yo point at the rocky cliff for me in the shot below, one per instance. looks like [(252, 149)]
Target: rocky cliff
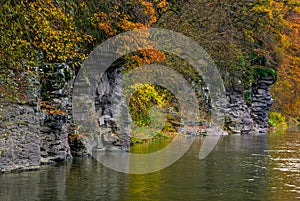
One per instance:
[(34, 133), (56, 121), (20, 125), (248, 110)]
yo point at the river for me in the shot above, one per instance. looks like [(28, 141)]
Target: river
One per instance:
[(249, 167)]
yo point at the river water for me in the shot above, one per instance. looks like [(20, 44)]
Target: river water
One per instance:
[(250, 167)]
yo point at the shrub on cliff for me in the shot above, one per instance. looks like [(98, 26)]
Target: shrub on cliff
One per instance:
[(277, 120)]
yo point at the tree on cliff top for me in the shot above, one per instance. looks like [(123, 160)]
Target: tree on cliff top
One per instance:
[(239, 35), (287, 88), (243, 35), (46, 31)]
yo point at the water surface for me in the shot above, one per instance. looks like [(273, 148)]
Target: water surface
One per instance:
[(259, 167)]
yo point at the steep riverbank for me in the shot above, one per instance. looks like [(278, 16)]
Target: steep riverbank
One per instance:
[(37, 132)]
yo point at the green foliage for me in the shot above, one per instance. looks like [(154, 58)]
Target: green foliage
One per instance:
[(46, 31), (144, 99), (277, 120), (245, 68), (134, 141), (245, 39), (239, 36), (265, 72), (155, 136), (32, 33), (247, 98), (150, 111)]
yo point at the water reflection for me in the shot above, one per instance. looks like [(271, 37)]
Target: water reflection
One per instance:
[(284, 150), (224, 175), (240, 168), (89, 180), (49, 183)]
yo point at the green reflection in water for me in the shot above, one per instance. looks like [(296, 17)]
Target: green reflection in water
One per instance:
[(151, 146), (241, 168)]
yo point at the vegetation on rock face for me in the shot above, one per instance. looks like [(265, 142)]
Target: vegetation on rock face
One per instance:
[(262, 72), (38, 32), (286, 89), (242, 36), (239, 35), (35, 33), (276, 120)]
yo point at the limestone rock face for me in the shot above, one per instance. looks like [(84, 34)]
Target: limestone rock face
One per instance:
[(56, 127), (261, 103), (100, 112), (31, 136), (20, 129), (239, 120), (19, 138), (113, 116), (251, 117), (54, 133)]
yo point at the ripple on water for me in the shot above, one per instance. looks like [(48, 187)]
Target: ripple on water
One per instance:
[(285, 165)]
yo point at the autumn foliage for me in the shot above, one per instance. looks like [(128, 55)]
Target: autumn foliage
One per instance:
[(287, 88), (45, 31), (239, 35), (245, 35)]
